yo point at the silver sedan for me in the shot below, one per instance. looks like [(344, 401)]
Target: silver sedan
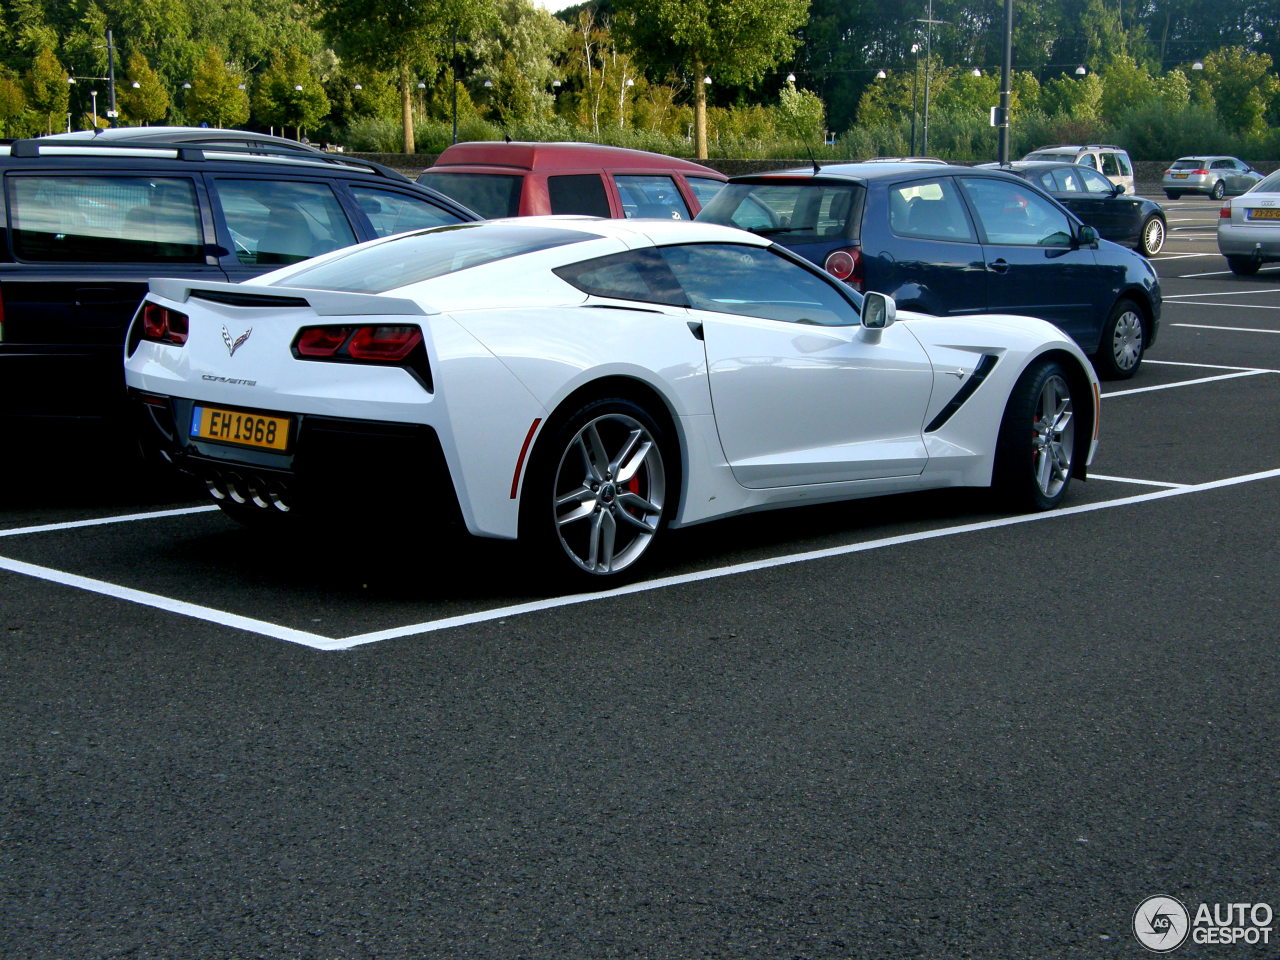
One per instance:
[(1249, 227), (1214, 176)]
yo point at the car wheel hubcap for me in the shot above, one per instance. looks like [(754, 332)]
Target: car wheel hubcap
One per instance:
[(1155, 236), (1126, 345), (608, 494), (1053, 435)]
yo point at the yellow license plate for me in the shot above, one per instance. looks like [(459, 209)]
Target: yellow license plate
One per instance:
[(237, 426), (1180, 176), (1272, 213)]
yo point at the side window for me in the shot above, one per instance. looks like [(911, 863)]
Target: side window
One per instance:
[(1096, 182), (1069, 181), (274, 222), (106, 219), (1088, 160), (930, 210), (635, 275), (651, 196), (1125, 168), (704, 188), (1044, 179), (756, 282), (1110, 165), (1221, 165), (1012, 215), (578, 193), (391, 212)]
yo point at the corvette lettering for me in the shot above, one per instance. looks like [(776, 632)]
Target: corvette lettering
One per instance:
[(238, 383)]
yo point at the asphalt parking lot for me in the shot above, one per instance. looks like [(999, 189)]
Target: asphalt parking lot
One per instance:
[(903, 728)]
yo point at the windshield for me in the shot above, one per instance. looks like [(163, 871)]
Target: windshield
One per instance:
[(789, 211), (1067, 155), (492, 195), (415, 257)]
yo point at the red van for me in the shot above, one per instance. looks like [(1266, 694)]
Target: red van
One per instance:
[(498, 179)]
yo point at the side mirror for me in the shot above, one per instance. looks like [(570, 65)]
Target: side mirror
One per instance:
[(1086, 235), (878, 311), (1117, 189)]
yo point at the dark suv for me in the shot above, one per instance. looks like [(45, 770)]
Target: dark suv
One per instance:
[(950, 240), (86, 224)]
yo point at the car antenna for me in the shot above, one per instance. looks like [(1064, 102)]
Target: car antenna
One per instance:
[(506, 137), (814, 160)]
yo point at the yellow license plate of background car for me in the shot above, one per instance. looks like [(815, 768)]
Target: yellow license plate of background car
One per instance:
[(237, 426), (1269, 214)]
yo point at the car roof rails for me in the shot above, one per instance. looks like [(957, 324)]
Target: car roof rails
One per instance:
[(34, 147)]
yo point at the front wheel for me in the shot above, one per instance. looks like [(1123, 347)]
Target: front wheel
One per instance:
[(1036, 450), (596, 493), (1219, 190), (1123, 342), (1152, 238), (1243, 266)]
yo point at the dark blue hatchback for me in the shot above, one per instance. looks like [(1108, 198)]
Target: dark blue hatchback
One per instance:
[(951, 241)]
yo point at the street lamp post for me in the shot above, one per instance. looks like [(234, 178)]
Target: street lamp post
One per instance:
[(1006, 80), (915, 80), (928, 62), (94, 95)]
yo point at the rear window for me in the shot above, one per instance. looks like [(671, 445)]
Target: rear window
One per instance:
[(1187, 164), (415, 257), (1268, 184), (796, 212), (492, 195), (79, 219), (1067, 155)]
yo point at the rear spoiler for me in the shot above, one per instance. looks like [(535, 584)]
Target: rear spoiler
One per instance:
[(326, 303)]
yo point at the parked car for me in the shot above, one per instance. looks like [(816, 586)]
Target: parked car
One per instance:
[(952, 241), (1109, 160), (89, 222), (581, 385), (1130, 221), (528, 179), (1249, 227), (1215, 177)]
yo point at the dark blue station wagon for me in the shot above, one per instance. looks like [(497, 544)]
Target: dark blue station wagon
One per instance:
[(951, 241)]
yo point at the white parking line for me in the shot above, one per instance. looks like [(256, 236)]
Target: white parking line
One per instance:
[(1182, 256), (1219, 273), (1142, 483), (1185, 383), (317, 642), (1210, 326), (100, 521), (1206, 366), (1235, 306), (1232, 293)]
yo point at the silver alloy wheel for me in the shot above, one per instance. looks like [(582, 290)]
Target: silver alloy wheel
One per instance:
[(1153, 236), (1053, 436), (1126, 341), (608, 493), (1219, 190)]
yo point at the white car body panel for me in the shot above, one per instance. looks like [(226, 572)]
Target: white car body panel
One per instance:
[(509, 344)]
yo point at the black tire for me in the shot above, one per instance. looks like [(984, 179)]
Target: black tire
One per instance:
[(1244, 266), (596, 493), (1036, 449), (1172, 194), (1123, 341), (1151, 237), (1219, 190)]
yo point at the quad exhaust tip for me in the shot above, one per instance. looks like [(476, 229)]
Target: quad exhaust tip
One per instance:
[(247, 490)]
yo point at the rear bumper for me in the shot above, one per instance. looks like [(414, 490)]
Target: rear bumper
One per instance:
[(1190, 185), (1244, 240), (346, 469)]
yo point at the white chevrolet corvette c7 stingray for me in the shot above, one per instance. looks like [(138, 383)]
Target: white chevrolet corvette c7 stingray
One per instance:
[(583, 384)]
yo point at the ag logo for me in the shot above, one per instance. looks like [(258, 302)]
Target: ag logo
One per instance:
[(1161, 924)]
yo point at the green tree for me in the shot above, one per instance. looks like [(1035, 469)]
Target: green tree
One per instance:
[(289, 94), (1243, 86), (1125, 82), (803, 115), (143, 98), (46, 88), (218, 94), (411, 38), (736, 40), (12, 101)]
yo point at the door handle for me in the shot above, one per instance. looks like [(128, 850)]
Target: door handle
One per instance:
[(999, 266)]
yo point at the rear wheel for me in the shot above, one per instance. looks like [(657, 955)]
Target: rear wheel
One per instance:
[(1036, 451), (1172, 194), (1219, 190), (596, 494), (1243, 266), (1123, 342), (1152, 238)]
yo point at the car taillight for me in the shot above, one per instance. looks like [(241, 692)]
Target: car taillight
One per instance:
[(845, 264), (1225, 212), (368, 344), (164, 325), (1199, 173)]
